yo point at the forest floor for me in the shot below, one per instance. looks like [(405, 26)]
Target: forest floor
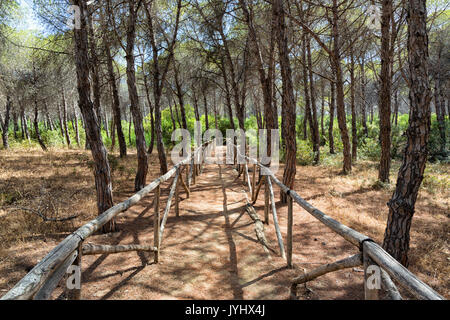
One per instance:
[(210, 251)]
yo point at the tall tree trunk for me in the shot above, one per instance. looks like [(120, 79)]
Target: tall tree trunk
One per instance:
[(332, 107), (439, 102), (115, 95), (5, 123), (322, 109), (341, 116), (60, 118), (113, 134), (152, 121), (105, 115), (396, 105), (205, 105), (180, 95), (401, 206), (36, 125), (47, 116), (174, 126), (314, 123), (288, 97), (64, 112), (102, 172), (15, 124), (385, 93), (141, 174), (215, 111), (77, 132), (308, 118), (94, 66), (363, 98), (353, 107)]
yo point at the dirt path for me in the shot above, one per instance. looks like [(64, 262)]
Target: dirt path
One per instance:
[(211, 251)]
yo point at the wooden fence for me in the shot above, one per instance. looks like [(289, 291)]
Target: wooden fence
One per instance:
[(41, 281), (372, 256)]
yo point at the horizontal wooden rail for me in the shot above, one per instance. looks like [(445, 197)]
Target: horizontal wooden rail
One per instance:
[(89, 248), (57, 258)]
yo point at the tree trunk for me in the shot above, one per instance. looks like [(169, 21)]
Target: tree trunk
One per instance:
[(314, 123), (15, 124), (439, 102), (152, 122), (174, 125), (396, 105), (94, 65), (322, 110), (105, 115), (353, 107), (113, 134), (64, 112), (115, 95), (341, 116), (288, 98), (307, 119), (385, 93), (332, 107), (363, 98), (205, 105), (5, 123), (180, 95), (60, 118), (102, 172), (141, 174), (402, 203), (36, 125), (77, 132)]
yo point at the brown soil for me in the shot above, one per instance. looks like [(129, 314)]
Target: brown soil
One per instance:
[(211, 250)]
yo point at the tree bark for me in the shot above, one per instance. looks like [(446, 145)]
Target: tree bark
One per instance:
[(77, 132), (288, 98), (5, 123), (102, 172), (363, 98), (115, 95), (36, 125), (341, 116), (353, 107), (142, 169), (64, 114), (410, 176), (332, 107), (314, 123), (385, 93)]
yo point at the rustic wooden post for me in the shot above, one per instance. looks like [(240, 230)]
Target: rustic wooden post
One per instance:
[(185, 187), (177, 195), (275, 220), (289, 232), (266, 201), (156, 224), (372, 277)]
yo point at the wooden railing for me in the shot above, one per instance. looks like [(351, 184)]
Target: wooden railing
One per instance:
[(41, 281), (370, 253)]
